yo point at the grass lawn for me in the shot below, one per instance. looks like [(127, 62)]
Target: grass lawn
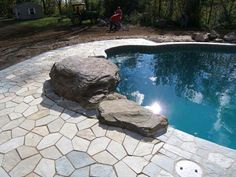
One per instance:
[(46, 22)]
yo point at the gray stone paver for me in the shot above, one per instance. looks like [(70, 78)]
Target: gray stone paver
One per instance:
[(82, 172), (44, 135), (102, 170), (80, 159), (64, 167), (45, 168)]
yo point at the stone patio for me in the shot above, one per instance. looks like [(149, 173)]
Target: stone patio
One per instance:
[(40, 138)]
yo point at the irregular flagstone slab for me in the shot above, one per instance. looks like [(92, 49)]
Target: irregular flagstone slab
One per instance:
[(49, 140), (115, 134), (105, 158), (56, 125), (152, 170), (5, 136), (135, 163), (16, 132), (28, 124), (51, 153), (86, 134), (116, 150), (32, 139), (80, 159), (99, 130), (69, 130), (221, 160), (3, 173), (64, 167), (80, 144), (43, 131), (143, 149), (26, 151), (64, 145), (85, 80), (10, 160), (164, 162), (4, 120), (11, 144), (25, 166), (102, 170), (123, 170), (45, 168), (127, 114), (82, 172), (98, 145), (13, 124), (87, 123)]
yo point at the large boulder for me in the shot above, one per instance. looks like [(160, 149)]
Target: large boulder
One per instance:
[(84, 80), (129, 115), (230, 37)]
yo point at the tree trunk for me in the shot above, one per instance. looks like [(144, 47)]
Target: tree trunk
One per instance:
[(159, 9), (209, 18), (59, 6), (171, 8), (44, 7), (193, 12)]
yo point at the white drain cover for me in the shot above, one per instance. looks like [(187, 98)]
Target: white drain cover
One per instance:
[(186, 168)]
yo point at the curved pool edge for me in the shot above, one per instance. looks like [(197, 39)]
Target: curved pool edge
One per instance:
[(215, 160)]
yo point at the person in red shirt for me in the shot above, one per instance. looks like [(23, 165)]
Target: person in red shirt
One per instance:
[(115, 20), (119, 11)]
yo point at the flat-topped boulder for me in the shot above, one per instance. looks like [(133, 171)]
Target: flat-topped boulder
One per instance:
[(129, 115), (84, 80), (230, 37)]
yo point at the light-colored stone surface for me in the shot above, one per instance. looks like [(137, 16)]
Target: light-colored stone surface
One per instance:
[(80, 144), (64, 167), (42, 131), (98, 145), (102, 170), (69, 130), (82, 172), (116, 150), (135, 163), (79, 159), (11, 144), (26, 151), (64, 145), (123, 170), (10, 160), (49, 140), (51, 153), (25, 166), (105, 158), (32, 139), (45, 168), (41, 137)]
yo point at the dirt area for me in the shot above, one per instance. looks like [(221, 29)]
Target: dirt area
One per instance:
[(17, 45)]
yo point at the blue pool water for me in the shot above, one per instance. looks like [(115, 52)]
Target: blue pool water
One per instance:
[(195, 87)]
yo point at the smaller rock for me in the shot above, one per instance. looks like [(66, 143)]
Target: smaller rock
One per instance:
[(127, 114), (219, 40), (230, 37), (201, 37), (213, 35)]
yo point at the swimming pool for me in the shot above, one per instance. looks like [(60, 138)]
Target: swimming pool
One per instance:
[(193, 85)]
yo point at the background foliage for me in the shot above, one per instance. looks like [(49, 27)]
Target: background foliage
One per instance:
[(200, 13)]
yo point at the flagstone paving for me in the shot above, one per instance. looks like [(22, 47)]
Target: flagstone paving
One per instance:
[(44, 135)]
